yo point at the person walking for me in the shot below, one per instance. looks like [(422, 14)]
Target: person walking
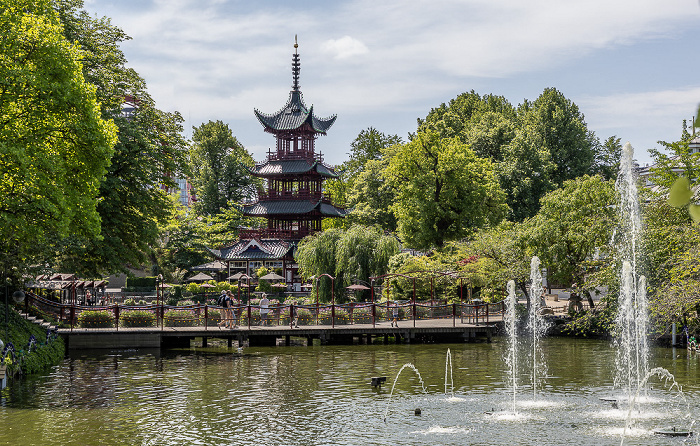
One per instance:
[(294, 314), (264, 309), (395, 315), (231, 301)]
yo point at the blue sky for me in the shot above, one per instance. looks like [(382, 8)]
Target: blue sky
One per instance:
[(631, 66)]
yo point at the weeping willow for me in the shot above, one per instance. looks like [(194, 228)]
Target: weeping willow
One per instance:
[(357, 253)]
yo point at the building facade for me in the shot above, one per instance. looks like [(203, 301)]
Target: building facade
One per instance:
[(293, 200)]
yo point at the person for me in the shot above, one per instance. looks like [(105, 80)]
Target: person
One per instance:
[(264, 309), (88, 297), (295, 314), (395, 314)]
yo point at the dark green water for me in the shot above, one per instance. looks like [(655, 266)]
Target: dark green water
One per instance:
[(322, 396)]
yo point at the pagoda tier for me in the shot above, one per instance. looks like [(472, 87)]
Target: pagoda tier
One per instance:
[(293, 203)]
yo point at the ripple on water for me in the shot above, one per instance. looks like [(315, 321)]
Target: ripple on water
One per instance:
[(443, 430)]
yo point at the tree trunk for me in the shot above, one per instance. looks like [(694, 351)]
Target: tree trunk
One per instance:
[(590, 300)]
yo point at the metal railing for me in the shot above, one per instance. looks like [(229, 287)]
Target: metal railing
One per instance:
[(117, 315)]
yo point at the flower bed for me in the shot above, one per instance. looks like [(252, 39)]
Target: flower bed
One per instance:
[(95, 319), (180, 318), (137, 318)]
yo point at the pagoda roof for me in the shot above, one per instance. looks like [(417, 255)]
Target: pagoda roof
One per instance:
[(294, 115), (254, 249), (292, 167), (293, 207)]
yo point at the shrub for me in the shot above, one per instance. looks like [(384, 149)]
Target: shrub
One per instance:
[(185, 303), (137, 318), (95, 319), (214, 316), (180, 318), (130, 302)]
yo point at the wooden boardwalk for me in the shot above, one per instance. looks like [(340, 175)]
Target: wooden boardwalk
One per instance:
[(427, 330)]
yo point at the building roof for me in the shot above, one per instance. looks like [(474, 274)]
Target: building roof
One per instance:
[(292, 167), (294, 115), (287, 207), (254, 249)]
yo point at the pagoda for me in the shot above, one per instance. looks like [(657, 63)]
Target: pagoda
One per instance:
[(292, 200)]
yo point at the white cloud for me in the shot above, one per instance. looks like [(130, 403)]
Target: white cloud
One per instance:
[(344, 48)]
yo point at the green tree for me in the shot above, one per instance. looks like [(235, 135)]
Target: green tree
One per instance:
[(557, 125), (219, 166), (358, 253), (150, 152), (55, 145), (367, 146), (371, 197), (607, 161), (573, 227), (444, 191)]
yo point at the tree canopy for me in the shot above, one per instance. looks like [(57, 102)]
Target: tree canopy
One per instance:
[(55, 144), (150, 152), (444, 191), (219, 167)]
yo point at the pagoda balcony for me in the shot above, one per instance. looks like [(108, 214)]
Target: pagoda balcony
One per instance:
[(273, 195), (288, 234), (308, 155)]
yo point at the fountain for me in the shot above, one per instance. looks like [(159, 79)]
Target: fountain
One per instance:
[(632, 318), (510, 319), (420, 379), (448, 361), (536, 324)]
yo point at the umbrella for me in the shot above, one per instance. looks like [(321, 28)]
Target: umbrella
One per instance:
[(207, 285), (200, 276), (165, 285), (216, 265), (272, 276), (357, 287), (307, 285), (279, 285), (235, 276)]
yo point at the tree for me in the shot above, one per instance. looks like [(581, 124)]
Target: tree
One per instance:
[(556, 124), (367, 146), (607, 160), (360, 252), (444, 191), (219, 166), (371, 197), (501, 254), (55, 145), (133, 197), (574, 223)]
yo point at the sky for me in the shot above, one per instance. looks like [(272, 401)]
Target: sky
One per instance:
[(631, 66)]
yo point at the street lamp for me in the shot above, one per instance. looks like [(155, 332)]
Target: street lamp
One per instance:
[(7, 310)]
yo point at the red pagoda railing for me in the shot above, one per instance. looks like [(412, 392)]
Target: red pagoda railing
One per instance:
[(298, 155), (294, 195), (289, 234)]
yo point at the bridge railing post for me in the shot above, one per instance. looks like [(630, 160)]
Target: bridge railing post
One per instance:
[(487, 312), (454, 314), (374, 314), (116, 316), (72, 315), (206, 317)]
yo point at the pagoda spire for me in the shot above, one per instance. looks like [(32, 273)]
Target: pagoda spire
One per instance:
[(296, 66)]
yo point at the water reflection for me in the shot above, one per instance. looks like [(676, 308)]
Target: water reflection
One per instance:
[(322, 395)]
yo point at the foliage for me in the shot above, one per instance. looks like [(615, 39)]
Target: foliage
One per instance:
[(444, 191), (180, 318), (95, 319), (149, 152), (219, 166), (574, 227), (358, 253), (137, 318), (371, 197), (143, 282), (55, 145), (42, 356)]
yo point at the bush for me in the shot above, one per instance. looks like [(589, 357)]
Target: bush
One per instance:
[(129, 301), (180, 318), (95, 319), (141, 282), (185, 303), (137, 318)]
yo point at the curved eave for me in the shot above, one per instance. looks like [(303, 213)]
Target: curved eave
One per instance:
[(291, 167), (293, 207), (293, 116)]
